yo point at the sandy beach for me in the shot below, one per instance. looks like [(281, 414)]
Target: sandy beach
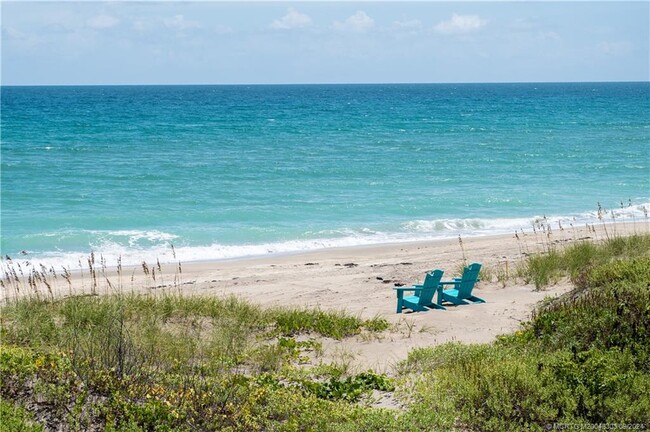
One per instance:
[(360, 281)]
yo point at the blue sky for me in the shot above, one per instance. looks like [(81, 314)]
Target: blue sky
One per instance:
[(323, 42)]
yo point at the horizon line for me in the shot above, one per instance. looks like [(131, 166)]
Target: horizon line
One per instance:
[(319, 83)]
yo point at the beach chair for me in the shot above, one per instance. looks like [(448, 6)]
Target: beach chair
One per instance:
[(462, 287), (422, 299)]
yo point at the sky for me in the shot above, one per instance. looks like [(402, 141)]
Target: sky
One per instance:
[(272, 42)]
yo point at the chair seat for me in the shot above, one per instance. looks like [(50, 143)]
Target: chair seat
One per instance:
[(452, 295), (412, 299), (451, 292)]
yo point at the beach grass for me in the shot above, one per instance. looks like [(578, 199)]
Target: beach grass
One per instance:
[(578, 257)]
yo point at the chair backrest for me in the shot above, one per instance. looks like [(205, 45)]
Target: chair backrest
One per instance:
[(468, 280), (429, 287)]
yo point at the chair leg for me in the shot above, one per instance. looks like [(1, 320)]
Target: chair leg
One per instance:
[(438, 303), (477, 299)]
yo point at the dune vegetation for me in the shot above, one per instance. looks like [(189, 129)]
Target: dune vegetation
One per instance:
[(172, 362)]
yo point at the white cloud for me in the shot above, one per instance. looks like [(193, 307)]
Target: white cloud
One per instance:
[(615, 48), (222, 29), (524, 25), (293, 19), (460, 24), (359, 22), (179, 22), (11, 33), (408, 24), (23, 40), (142, 25), (549, 36), (102, 22)]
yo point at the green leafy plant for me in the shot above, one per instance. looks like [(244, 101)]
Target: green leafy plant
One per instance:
[(348, 389)]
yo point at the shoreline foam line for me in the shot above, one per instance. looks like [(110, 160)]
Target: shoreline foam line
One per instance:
[(171, 256), (132, 247)]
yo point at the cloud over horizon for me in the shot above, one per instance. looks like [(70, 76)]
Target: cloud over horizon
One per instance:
[(413, 24), (178, 22), (102, 22), (293, 19), (359, 22), (460, 24)]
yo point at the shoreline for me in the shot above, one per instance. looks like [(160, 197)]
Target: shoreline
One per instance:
[(627, 226), (494, 247), (167, 252)]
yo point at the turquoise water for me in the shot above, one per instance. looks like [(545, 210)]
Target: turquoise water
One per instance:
[(231, 171)]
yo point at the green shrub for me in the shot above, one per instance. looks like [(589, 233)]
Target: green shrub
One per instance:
[(15, 419), (496, 389), (611, 311), (604, 386), (349, 389), (481, 387), (630, 271)]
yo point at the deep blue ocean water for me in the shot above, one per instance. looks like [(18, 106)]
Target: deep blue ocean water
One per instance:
[(231, 171)]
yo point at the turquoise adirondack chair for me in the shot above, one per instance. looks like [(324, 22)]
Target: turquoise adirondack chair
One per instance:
[(422, 299), (463, 286)]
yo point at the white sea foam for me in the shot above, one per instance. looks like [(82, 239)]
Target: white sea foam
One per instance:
[(133, 247), (135, 237), (466, 226)]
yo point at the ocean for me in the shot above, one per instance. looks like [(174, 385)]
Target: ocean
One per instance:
[(222, 172)]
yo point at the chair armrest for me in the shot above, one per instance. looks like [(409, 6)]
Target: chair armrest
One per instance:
[(456, 281), (411, 288)]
